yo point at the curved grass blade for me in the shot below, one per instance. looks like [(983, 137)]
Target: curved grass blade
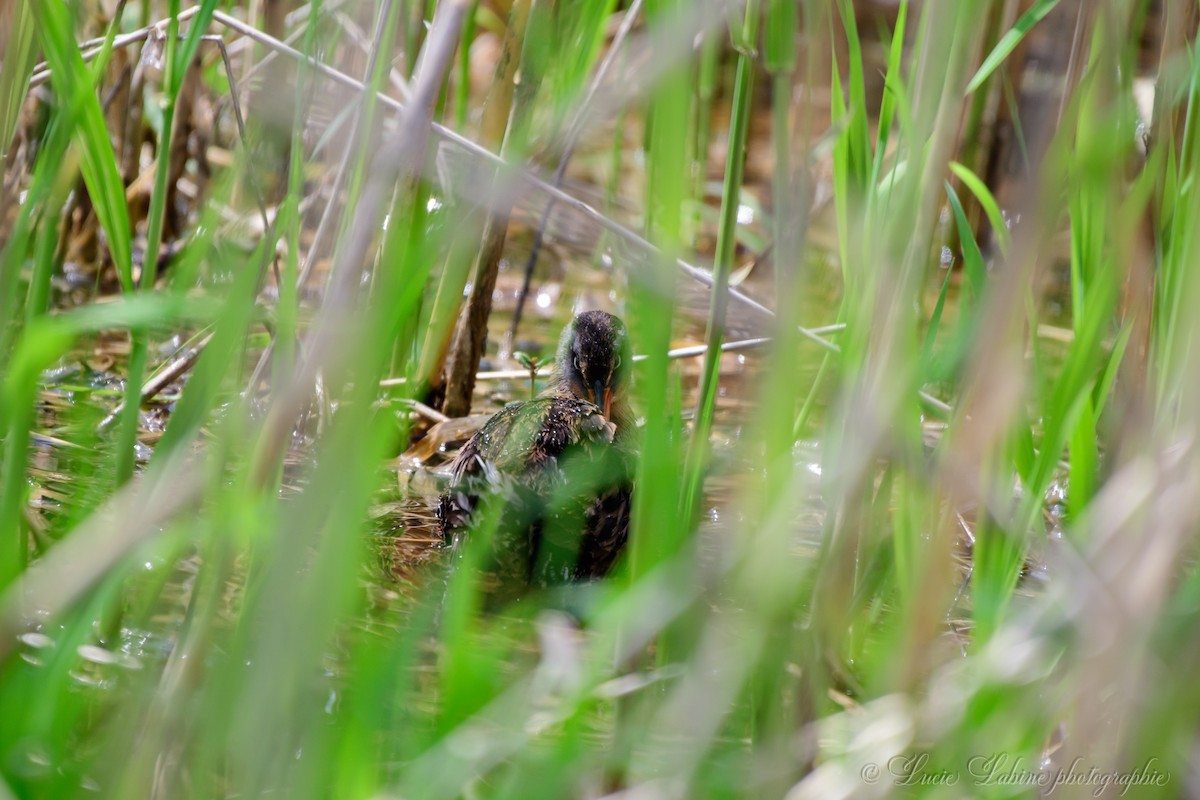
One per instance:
[(988, 201), (1009, 41)]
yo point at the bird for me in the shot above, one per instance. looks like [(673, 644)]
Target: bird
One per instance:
[(555, 470)]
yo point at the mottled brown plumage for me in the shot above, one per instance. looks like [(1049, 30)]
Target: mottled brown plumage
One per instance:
[(557, 469)]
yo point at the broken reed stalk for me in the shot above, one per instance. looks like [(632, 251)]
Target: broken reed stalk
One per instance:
[(472, 328), (41, 72), (185, 359), (482, 153), (547, 369)]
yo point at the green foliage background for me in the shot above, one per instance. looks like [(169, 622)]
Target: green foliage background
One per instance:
[(947, 546)]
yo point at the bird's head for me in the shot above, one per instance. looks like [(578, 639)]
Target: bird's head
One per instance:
[(594, 359)]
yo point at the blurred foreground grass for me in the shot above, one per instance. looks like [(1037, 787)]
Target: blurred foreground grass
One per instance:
[(944, 547)]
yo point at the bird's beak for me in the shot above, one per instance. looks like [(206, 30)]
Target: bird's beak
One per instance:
[(597, 396)]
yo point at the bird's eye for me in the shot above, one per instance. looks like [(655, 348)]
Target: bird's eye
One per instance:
[(578, 368), (616, 362)]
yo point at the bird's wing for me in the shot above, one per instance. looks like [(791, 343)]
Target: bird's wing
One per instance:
[(529, 434)]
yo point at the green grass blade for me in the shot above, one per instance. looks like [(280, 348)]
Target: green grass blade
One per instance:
[(73, 83), (890, 101), (1009, 41), (988, 202), (935, 322), (187, 51), (972, 257), (127, 429), (723, 265), (19, 58)]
